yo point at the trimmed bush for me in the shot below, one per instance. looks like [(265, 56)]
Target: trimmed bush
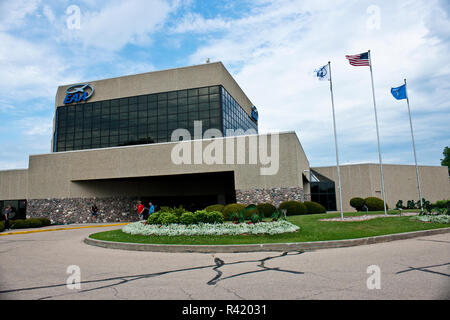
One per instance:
[(441, 204), (314, 207), (200, 216), (357, 203), (266, 209), (154, 218), (250, 210), (24, 224), (45, 221), (187, 218), (293, 207), (231, 208), (374, 204), (214, 217), (169, 218), (255, 218), (2, 226), (215, 207)]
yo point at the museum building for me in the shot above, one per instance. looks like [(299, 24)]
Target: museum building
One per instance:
[(112, 144)]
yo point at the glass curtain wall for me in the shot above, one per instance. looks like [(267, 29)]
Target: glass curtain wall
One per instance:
[(147, 118)]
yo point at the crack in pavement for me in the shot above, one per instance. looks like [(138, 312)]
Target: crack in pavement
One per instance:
[(220, 263), (425, 269), (132, 278)]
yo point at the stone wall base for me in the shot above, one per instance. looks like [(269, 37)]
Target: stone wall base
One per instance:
[(78, 210), (274, 195)]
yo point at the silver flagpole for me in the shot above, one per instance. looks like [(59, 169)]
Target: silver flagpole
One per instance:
[(414, 148), (335, 142), (378, 135)]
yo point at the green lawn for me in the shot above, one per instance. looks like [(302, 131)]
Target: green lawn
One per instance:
[(310, 230)]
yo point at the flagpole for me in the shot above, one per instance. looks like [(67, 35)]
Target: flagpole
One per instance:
[(335, 142), (414, 148), (378, 134)]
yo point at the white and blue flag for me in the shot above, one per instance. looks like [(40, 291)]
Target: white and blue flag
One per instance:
[(323, 73)]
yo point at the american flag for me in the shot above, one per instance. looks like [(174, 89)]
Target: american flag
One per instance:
[(358, 60)]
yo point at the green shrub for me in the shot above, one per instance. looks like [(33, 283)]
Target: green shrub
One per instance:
[(178, 211), (215, 207), (24, 224), (399, 205), (441, 204), (154, 218), (250, 210), (187, 218), (293, 207), (357, 203), (200, 216), (255, 218), (374, 204), (214, 217), (231, 208), (410, 204), (2, 226), (45, 221), (277, 215), (314, 207), (266, 209), (169, 218), (238, 217)]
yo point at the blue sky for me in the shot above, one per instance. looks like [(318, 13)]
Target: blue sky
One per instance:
[(270, 47)]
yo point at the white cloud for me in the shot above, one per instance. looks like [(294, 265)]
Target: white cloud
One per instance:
[(48, 13), (121, 22), (12, 13)]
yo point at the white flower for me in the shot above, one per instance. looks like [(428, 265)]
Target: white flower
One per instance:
[(210, 229)]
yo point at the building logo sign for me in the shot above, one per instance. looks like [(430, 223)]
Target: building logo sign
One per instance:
[(254, 113), (78, 92)]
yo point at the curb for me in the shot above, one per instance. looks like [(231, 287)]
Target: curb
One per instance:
[(305, 246)]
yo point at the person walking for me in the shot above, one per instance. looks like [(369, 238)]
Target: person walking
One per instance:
[(151, 208), (7, 213), (140, 209), (94, 210)]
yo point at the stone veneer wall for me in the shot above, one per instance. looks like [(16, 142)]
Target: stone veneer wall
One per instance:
[(78, 210), (274, 195)]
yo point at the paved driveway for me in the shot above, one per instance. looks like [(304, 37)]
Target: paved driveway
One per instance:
[(35, 265)]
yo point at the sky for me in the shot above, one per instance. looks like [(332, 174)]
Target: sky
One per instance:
[(271, 48)]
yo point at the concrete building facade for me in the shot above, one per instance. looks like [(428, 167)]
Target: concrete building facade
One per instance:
[(114, 143)]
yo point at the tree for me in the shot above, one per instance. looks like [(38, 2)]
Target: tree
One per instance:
[(446, 160)]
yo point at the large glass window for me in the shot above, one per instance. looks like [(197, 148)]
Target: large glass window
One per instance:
[(234, 116), (136, 120)]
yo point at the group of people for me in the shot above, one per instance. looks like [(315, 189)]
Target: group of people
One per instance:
[(143, 211)]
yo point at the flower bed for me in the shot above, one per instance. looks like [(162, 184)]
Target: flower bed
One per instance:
[(275, 227), (441, 218)]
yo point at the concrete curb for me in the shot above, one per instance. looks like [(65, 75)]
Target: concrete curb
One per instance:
[(305, 246)]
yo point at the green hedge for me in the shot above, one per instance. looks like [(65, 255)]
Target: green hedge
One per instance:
[(314, 207), (250, 210), (374, 204), (215, 207), (357, 203), (293, 207), (25, 224), (2, 226), (267, 209), (231, 208)]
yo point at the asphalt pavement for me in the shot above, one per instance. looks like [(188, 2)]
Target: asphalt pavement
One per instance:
[(59, 265)]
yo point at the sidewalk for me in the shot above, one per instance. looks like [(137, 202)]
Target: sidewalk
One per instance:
[(61, 227)]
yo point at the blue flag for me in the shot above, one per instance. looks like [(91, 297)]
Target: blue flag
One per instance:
[(323, 73), (399, 93)]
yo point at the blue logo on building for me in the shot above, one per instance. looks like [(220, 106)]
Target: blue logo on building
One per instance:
[(78, 92), (255, 113)]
